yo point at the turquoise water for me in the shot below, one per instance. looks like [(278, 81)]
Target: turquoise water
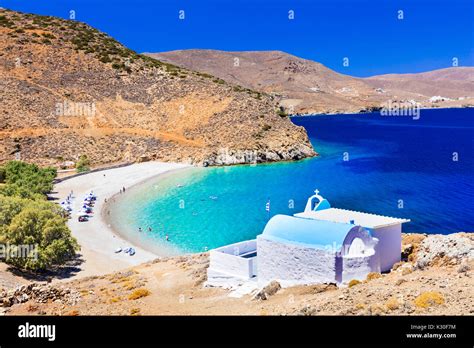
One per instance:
[(396, 166)]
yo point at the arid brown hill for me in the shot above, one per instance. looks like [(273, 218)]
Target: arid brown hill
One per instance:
[(305, 86), (452, 83), (67, 89)]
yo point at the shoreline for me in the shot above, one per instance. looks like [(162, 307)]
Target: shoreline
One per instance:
[(362, 112), (96, 237), (117, 197)]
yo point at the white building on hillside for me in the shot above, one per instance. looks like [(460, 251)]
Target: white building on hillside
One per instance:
[(320, 245)]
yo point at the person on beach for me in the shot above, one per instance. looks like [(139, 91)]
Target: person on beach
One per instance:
[(139, 229), (123, 189), (105, 200), (149, 229), (167, 238)]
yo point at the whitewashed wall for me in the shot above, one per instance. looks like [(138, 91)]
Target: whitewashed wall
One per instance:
[(226, 260), (389, 246), (238, 248), (292, 264), (358, 267)]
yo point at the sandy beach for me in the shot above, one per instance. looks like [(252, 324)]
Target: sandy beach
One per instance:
[(97, 239)]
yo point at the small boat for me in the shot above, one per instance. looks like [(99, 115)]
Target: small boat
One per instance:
[(213, 197), (179, 185), (127, 250), (132, 252), (118, 250)]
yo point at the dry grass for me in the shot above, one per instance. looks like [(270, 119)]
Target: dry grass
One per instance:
[(373, 275), (354, 282), (31, 308), (428, 299), (139, 293), (392, 304), (130, 285), (377, 309), (84, 292), (120, 280)]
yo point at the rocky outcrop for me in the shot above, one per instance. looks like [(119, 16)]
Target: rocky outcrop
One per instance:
[(269, 290), (39, 293), (445, 250)]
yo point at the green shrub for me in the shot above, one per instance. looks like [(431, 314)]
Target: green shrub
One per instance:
[(281, 112), (105, 59), (2, 175), (42, 226), (27, 218), (26, 180), (83, 164), (48, 36), (219, 81)]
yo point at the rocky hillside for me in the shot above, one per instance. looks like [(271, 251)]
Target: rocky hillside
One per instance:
[(305, 86), (67, 89), (435, 278)]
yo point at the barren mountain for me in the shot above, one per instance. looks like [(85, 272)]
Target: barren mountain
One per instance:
[(67, 89), (305, 86), (450, 82)]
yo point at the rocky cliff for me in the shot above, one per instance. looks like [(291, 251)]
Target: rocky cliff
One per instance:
[(67, 89)]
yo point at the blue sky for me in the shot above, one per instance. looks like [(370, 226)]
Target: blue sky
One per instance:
[(369, 33)]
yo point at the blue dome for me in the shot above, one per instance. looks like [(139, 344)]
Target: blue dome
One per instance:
[(315, 233)]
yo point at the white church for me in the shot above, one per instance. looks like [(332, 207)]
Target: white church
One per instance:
[(320, 245)]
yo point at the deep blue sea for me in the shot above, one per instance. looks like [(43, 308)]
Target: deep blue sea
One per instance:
[(397, 166)]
